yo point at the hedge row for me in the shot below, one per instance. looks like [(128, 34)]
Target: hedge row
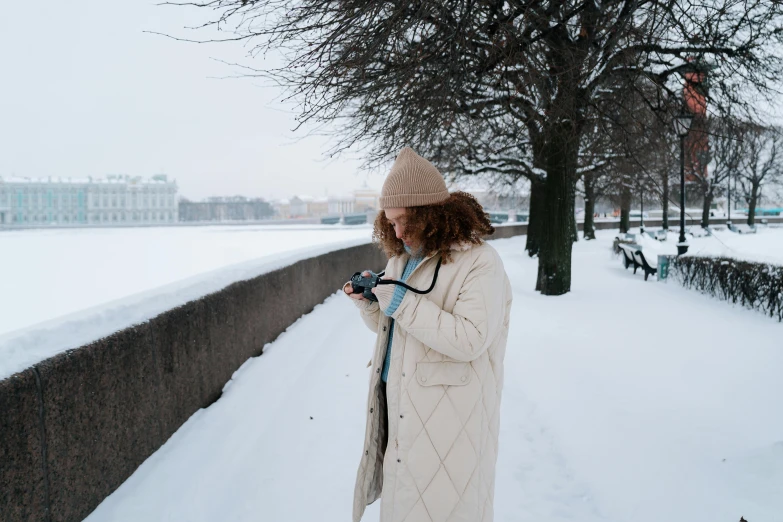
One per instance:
[(757, 286)]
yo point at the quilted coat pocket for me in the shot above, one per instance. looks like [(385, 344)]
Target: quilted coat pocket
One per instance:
[(443, 373)]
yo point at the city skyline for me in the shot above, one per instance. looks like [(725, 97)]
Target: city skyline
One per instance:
[(272, 196), (95, 94)]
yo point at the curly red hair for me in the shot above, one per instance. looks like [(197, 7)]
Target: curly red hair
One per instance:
[(458, 220)]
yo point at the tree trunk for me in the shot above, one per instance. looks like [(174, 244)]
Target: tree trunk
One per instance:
[(540, 277), (754, 197), (625, 209), (556, 240), (705, 213), (574, 226), (537, 213), (589, 225), (666, 199)]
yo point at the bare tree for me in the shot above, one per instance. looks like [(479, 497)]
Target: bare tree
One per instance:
[(417, 73), (664, 164), (761, 164), (637, 145), (722, 158), (590, 195), (494, 149)]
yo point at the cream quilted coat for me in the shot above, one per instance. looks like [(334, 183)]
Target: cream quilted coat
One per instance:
[(443, 393)]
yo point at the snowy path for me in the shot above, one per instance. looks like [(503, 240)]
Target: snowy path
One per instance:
[(591, 429)]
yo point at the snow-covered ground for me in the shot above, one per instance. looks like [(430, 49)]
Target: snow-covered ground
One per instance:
[(624, 401), (765, 246), (61, 289)]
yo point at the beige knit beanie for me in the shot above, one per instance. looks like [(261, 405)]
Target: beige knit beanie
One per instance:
[(412, 182)]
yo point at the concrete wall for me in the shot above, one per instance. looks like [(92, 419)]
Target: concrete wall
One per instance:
[(76, 426), (506, 231)]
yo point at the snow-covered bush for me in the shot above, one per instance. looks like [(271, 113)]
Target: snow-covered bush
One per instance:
[(758, 286)]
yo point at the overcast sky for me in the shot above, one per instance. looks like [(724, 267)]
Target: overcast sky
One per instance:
[(85, 92)]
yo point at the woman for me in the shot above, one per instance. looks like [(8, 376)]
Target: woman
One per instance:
[(437, 371)]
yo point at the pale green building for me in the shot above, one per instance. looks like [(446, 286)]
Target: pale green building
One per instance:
[(114, 200)]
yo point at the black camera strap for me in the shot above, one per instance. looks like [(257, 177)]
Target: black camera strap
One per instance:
[(400, 283)]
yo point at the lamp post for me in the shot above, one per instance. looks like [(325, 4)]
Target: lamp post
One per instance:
[(641, 216), (728, 198), (682, 124)]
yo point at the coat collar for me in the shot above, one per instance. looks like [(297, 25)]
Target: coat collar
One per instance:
[(463, 247), (456, 247)]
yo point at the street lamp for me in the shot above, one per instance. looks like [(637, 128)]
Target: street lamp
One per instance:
[(682, 124), (641, 217), (728, 198)]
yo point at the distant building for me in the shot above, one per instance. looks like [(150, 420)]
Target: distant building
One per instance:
[(318, 207), (341, 205), (302, 207), (87, 201), (363, 200), (493, 200), (235, 208), (282, 208), (366, 200), (297, 206)]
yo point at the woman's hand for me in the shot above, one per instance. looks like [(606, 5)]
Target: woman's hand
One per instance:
[(348, 289)]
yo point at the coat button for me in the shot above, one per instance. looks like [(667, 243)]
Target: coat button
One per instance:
[(423, 379), (384, 328), (371, 410), (400, 416), (398, 460), (464, 378), (378, 370), (366, 452), (403, 374)]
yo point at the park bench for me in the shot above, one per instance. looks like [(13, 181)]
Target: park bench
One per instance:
[(633, 255), (626, 250), (659, 235), (699, 232), (742, 229)]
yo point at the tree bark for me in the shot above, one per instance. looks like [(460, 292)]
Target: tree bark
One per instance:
[(556, 240), (754, 197), (574, 225), (589, 225), (540, 277), (665, 201), (705, 213), (625, 209), (537, 214)]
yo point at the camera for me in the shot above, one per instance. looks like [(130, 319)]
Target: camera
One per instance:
[(364, 285)]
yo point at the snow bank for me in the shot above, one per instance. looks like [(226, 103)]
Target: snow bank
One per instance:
[(53, 273), (766, 246), (22, 348)]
